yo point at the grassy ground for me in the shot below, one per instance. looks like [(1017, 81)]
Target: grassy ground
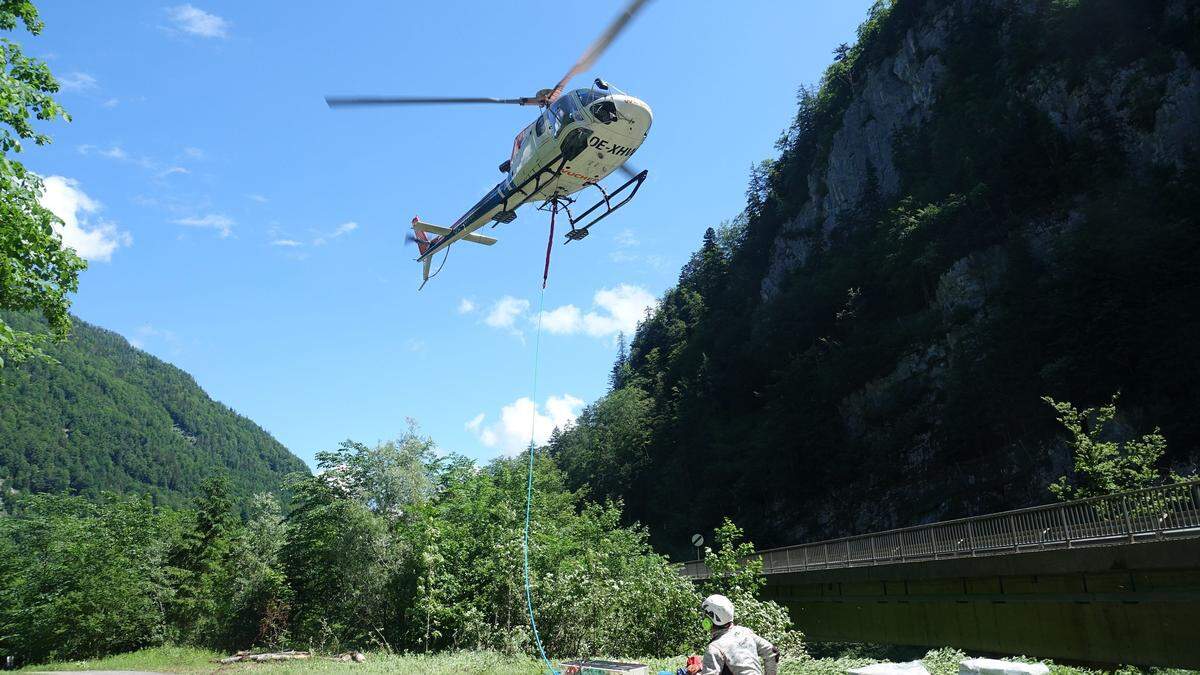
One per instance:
[(191, 660)]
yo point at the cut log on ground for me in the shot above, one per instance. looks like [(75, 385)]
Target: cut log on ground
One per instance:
[(356, 657), (269, 656)]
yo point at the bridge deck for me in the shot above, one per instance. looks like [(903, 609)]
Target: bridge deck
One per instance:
[(1112, 580), (1159, 513)]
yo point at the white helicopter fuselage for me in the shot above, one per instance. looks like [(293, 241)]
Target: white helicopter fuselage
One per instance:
[(609, 145), (590, 133)]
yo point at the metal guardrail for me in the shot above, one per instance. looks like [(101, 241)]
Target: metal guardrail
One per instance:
[(1168, 511)]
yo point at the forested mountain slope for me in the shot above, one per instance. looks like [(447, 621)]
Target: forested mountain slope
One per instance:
[(985, 202), (108, 416)]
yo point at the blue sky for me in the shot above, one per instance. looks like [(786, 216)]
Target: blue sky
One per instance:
[(241, 230)]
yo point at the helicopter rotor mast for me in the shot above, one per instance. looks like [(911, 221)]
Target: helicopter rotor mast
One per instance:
[(542, 98)]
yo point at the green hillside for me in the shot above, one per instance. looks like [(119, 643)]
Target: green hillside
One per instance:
[(108, 416), (983, 203)]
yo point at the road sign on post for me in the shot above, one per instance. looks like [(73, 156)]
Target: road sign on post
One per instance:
[(697, 542)]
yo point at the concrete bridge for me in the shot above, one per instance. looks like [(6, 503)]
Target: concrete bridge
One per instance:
[(1110, 580)]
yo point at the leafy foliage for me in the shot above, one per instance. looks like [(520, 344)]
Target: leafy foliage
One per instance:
[(36, 271), (737, 575), (388, 547), (1104, 465), (105, 416), (81, 578)]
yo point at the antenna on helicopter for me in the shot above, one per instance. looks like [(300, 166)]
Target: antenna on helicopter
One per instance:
[(543, 97)]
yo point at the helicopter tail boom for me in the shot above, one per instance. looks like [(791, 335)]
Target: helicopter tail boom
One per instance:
[(440, 231)]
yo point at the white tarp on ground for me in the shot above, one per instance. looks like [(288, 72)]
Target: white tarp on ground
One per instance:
[(998, 667), (909, 668)]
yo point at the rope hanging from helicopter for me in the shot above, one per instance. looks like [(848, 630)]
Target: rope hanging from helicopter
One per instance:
[(537, 350), (544, 98), (443, 264)]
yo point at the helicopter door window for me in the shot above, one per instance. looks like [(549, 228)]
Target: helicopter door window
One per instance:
[(520, 142), (541, 126), (550, 118)]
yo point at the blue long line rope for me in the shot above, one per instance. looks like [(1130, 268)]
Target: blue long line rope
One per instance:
[(529, 484)]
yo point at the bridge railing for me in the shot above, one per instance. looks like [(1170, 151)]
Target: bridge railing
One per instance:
[(1127, 517)]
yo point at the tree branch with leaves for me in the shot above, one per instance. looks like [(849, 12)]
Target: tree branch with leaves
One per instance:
[(37, 272)]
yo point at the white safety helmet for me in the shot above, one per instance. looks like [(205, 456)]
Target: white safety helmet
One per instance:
[(718, 608)]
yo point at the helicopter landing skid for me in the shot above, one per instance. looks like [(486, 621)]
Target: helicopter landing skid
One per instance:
[(607, 201)]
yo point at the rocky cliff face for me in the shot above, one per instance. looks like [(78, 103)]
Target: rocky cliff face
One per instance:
[(1155, 112), (1143, 109), (896, 95), (983, 203)]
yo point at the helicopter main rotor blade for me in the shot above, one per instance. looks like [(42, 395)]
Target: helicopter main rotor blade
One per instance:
[(346, 101), (593, 52)]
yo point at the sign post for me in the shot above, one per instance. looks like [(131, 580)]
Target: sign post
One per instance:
[(697, 542)]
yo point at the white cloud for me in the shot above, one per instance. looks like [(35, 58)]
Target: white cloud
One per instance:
[(118, 154), (198, 22), (626, 238), (147, 332), (510, 434), (620, 310), (652, 260), (465, 306), (257, 198), (173, 170), (63, 197), (415, 345), (289, 243), (193, 153), (77, 81), (110, 102), (563, 321), (340, 230), (614, 310), (505, 312), (221, 223), (112, 152)]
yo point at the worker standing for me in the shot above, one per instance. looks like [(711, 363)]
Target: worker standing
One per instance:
[(733, 649)]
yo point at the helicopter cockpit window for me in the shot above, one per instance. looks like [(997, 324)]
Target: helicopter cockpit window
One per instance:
[(564, 111), (589, 96), (541, 125)]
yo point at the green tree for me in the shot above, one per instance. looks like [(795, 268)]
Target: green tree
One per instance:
[(620, 368), (736, 573), (80, 579), (341, 560), (1103, 463), (205, 566), (597, 587), (260, 600), (606, 448), (388, 478), (36, 271)]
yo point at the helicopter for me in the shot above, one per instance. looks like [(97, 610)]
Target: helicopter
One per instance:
[(579, 138)]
